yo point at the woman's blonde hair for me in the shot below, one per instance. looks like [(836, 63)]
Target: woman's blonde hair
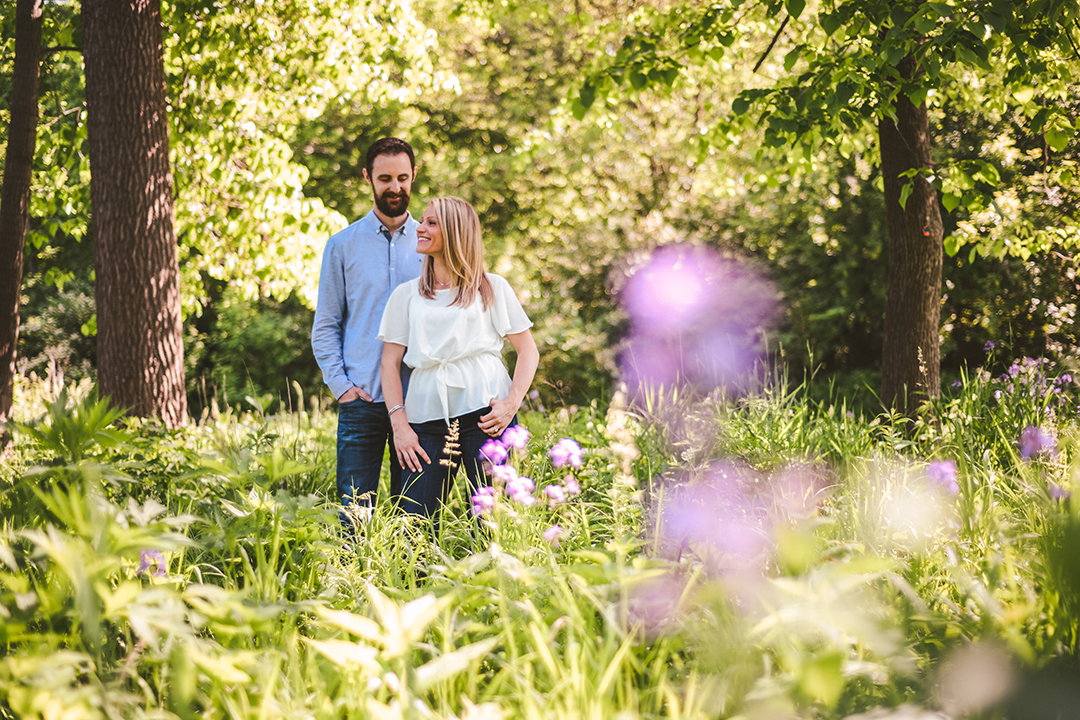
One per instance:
[(462, 253)]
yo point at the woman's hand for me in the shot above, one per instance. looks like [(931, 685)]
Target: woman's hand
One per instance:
[(502, 413), (407, 446)]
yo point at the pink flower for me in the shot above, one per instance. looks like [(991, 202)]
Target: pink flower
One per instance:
[(552, 535), (494, 452), (516, 437), (520, 490), (556, 495), (483, 501), (565, 452), (571, 485), (503, 474)]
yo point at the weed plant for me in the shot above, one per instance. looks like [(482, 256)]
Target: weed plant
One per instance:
[(703, 556)]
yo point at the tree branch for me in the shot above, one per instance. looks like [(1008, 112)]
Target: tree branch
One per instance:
[(774, 39), (59, 49)]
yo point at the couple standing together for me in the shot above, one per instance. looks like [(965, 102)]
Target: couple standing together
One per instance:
[(409, 333)]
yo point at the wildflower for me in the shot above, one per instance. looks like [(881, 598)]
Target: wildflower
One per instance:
[(520, 490), (151, 562), (494, 452), (483, 501), (534, 395), (942, 474), (503, 474), (988, 346), (516, 437), (1057, 492), (571, 485), (556, 495), (1036, 441), (957, 384), (552, 534), (564, 452)]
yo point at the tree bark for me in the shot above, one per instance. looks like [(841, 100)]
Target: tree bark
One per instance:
[(15, 196), (140, 352), (911, 354)]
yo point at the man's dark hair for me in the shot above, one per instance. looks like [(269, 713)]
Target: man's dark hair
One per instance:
[(388, 146)]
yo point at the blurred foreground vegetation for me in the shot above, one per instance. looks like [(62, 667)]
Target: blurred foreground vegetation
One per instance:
[(760, 557)]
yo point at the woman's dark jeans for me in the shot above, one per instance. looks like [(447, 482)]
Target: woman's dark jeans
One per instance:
[(424, 492)]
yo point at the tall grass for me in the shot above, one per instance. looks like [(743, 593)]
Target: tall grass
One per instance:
[(763, 556)]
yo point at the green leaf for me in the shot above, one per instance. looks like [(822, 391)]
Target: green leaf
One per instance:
[(918, 96), (1057, 139), (830, 22), (905, 193), (740, 105), (822, 678), (951, 245), (795, 7), (790, 59), (1023, 94), (950, 201), (638, 79)]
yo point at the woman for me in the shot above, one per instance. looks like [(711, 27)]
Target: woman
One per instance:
[(449, 326)]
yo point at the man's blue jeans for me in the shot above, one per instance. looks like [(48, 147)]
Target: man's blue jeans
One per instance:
[(362, 435)]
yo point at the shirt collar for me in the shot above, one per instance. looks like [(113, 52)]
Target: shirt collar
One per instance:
[(375, 224)]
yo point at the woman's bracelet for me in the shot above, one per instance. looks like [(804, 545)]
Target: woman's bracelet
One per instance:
[(395, 409)]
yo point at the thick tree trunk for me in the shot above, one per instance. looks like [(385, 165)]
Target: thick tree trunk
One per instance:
[(140, 353), (911, 355), (15, 196)]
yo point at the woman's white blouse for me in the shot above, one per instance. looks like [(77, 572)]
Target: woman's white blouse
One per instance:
[(455, 352)]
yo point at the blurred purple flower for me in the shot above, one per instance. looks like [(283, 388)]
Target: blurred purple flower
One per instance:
[(1036, 441), (516, 437), (151, 562), (571, 485), (942, 475), (565, 452), (494, 452), (1057, 492), (695, 316), (502, 474), (656, 605), (520, 490), (552, 535), (988, 346), (957, 384), (483, 500), (556, 495)]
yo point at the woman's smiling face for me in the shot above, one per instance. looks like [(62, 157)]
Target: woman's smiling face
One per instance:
[(429, 238)]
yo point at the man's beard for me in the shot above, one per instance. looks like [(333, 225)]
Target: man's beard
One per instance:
[(392, 204)]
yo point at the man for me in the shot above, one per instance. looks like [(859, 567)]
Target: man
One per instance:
[(361, 266)]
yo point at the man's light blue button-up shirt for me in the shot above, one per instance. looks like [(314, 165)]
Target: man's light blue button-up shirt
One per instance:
[(360, 268)]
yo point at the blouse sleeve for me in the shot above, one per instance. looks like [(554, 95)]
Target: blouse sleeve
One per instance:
[(394, 327), (507, 315)]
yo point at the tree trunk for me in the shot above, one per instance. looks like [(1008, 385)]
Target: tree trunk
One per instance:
[(15, 196), (911, 355), (140, 352)]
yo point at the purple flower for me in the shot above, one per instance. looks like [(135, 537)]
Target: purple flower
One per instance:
[(1036, 441), (151, 562), (520, 490), (503, 474), (988, 346), (957, 384), (942, 475), (1057, 492), (494, 452), (483, 500), (552, 535), (564, 452), (571, 485), (516, 437), (556, 495)]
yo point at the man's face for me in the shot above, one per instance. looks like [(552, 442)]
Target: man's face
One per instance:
[(391, 181)]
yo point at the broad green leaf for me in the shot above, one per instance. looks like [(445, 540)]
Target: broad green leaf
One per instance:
[(950, 201), (740, 105), (1057, 139), (357, 625), (918, 96), (905, 193), (1023, 94), (452, 663), (638, 79), (795, 7), (345, 653), (822, 679), (790, 59), (587, 95), (830, 22)]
